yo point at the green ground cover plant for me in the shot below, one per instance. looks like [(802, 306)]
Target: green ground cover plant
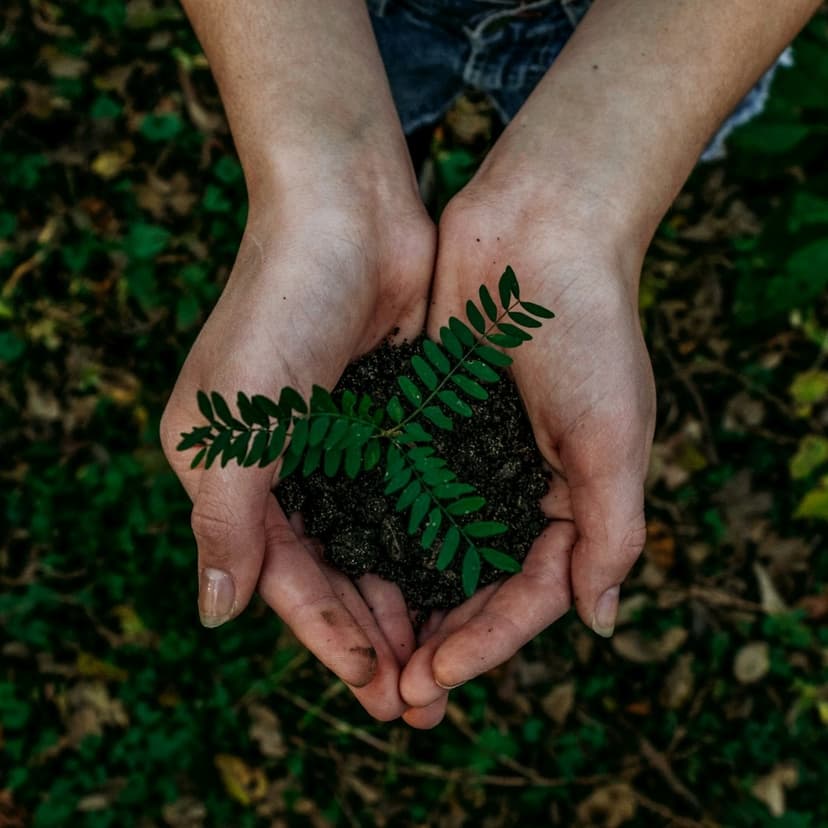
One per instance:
[(121, 210)]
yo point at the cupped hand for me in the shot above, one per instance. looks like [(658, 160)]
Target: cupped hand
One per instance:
[(587, 385), (311, 289)]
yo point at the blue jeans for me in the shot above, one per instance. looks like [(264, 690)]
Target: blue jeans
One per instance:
[(435, 49)]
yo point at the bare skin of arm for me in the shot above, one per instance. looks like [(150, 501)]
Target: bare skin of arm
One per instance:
[(570, 196), (337, 252)]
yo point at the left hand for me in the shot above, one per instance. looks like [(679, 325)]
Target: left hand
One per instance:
[(588, 389)]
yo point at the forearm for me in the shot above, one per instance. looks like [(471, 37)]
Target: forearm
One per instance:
[(621, 118), (305, 91)]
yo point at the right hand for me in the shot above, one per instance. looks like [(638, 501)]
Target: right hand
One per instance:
[(314, 286)]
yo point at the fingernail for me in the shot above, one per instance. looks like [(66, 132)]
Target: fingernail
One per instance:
[(216, 594), (606, 610), (450, 686)]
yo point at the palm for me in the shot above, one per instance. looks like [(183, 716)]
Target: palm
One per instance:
[(297, 308), (587, 385)]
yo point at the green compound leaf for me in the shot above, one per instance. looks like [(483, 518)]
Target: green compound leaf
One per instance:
[(424, 372), (336, 435), (454, 403), (499, 560), (290, 462), (482, 371), (507, 285), (470, 387), (299, 436), (448, 548), (493, 356), (394, 461), (395, 409), (432, 527), (451, 491), (485, 529), (249, 413), (372, 455), (397, 480), (466, 505), (410, 390), (436, 357), (462, 331), (348, 402), (418, 512), (537, 310), (267, 406), (204, 405), (217, 447), (257, 449), (238, 448), (312, 458), (321, 400), (353, 461), (438, 476), (415, 433), (488, 303), (419, 454), (436, 416), (195, 437), (291, 400), (527, 322), (332, 461), (318, 430), (475, 317), (503, 341), (471, 571), (451, 343), (364, 407), (275, 445), (515, 331), (198, 458), (223, 411), (409, 494)]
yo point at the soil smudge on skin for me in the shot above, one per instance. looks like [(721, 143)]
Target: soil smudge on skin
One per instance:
[(360, 530)]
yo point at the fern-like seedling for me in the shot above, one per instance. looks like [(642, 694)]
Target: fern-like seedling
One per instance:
[(350, 433)]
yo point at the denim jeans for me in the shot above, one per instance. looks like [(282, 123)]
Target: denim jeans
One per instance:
[(434, 50)]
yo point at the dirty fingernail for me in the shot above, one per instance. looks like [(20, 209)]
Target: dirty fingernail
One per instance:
[(216, 594), (606, 610)]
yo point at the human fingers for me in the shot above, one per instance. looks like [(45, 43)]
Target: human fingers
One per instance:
[(609, 514), (228, 522), (387, 604), (523, 605), (295, 587), (417, 683), (425, 718)]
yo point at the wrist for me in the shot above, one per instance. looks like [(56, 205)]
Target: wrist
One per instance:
[(568, 197)]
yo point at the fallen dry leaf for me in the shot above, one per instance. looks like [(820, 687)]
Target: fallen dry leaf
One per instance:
[(559, 701), (241, 781), (660, 548), (770, 598), (752, 662), (770, 788), (633, 646), (87, 708), (678, 686), (187, 812), (266, 731), (608, 807)]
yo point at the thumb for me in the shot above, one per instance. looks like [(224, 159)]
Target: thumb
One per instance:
[(228, 522), (609, 517)]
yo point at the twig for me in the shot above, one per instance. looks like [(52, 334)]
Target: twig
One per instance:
[(664, 812)]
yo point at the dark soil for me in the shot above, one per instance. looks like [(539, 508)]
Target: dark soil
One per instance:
[(494, 450)]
